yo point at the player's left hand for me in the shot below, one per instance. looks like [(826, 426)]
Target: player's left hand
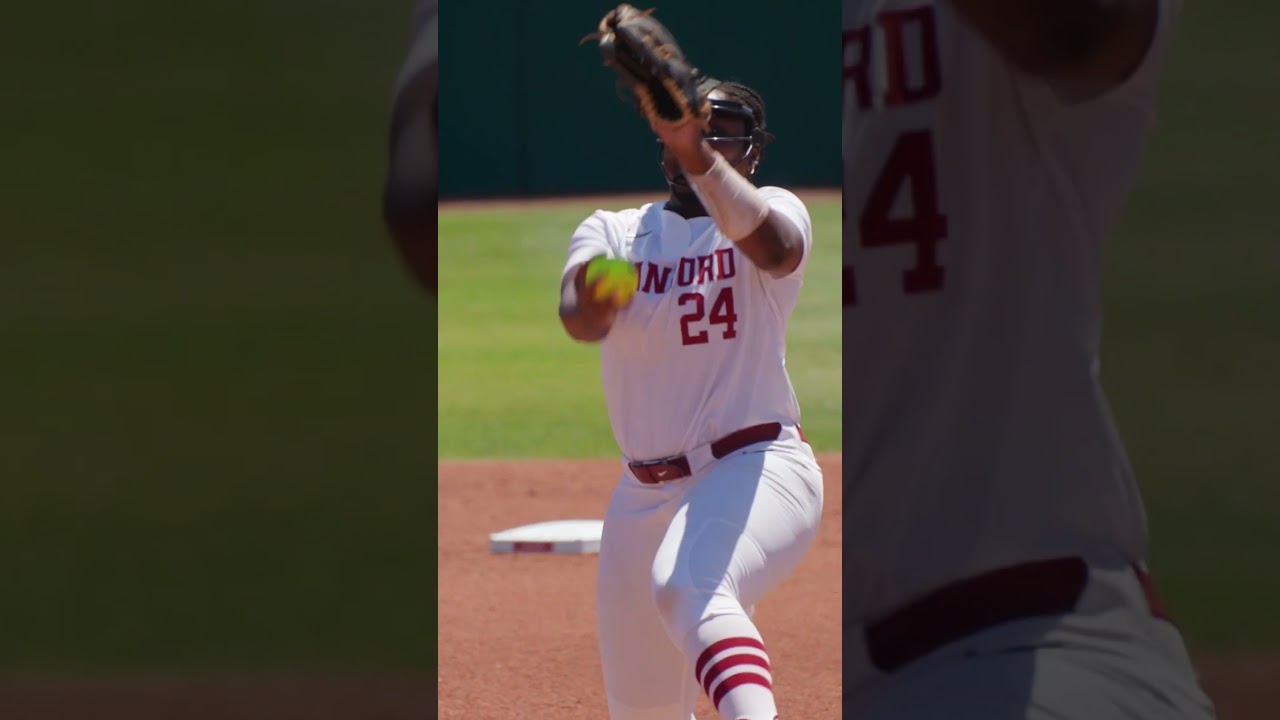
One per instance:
[(647, 59), (684, 140)]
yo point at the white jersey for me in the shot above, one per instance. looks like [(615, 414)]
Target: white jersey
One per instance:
[(700, 350), (976, 207)]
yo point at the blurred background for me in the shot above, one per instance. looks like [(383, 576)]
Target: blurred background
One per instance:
[(529, 111), (215, 454), (216, 448), (1191, 347)]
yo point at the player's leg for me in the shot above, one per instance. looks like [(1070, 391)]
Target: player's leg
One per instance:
[(743, 527), (645, 676)]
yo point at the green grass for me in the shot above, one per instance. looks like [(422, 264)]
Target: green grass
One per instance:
[(1191, 352), (512, 384)]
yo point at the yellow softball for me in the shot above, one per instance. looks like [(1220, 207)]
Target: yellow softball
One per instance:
[(618, 280)]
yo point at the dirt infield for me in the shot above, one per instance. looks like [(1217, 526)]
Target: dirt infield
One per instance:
[(517, 636), (1244, 687), (517, 632)]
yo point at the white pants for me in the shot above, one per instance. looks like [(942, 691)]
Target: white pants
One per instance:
[(676, 555), (1111, 660)]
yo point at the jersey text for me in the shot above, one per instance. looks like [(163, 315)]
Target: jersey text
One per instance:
[(903, 44), (698, 270)]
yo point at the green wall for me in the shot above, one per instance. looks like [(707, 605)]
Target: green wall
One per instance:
[(525, 110)]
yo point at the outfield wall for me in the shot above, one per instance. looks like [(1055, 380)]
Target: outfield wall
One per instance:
[(564, 131)]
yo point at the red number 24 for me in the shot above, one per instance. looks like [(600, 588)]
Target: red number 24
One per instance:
[(910, 162), (722, 313)]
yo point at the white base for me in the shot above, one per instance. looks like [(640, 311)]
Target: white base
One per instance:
[(567, 537)]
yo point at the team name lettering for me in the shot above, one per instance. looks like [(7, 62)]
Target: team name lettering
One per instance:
[(689, 271), (903, 44), (684, 272)]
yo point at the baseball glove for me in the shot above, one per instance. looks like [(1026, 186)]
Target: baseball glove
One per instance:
[(644, 54)]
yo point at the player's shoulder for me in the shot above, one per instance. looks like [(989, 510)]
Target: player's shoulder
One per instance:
[(771, 192), (615, 217), (613, 222), (784, 199), (788, 203)]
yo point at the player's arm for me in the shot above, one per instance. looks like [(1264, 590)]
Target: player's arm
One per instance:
[(1083, 48), (584, 319), (411, 188), (410, 192), (768, 239)]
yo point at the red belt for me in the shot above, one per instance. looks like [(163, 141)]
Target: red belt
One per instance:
[(1035, 589), (652, 472)]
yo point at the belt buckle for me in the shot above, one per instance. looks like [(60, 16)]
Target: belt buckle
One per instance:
[(654, 463)]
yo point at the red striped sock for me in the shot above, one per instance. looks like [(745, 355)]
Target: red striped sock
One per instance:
[(734, 673)]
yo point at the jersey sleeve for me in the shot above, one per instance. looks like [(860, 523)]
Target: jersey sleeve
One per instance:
[(592, 238), (787, 204)]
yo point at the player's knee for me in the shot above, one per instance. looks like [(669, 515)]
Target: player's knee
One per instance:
[(666, 597), (682, 603)]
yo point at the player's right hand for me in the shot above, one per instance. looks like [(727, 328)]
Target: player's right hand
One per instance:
[(586, 314), (604, 309), (599, 295)]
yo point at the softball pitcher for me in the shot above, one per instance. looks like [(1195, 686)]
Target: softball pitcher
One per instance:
[(994, 537), (720, 494)]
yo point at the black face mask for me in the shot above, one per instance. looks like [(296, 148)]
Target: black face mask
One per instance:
[(728, 145)]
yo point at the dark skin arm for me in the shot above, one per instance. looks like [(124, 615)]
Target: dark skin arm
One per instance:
[(410, 189), (1083, 48), (584, 319), (776, 246)]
